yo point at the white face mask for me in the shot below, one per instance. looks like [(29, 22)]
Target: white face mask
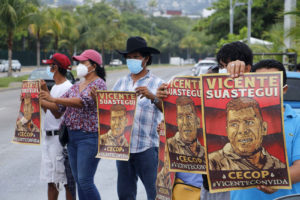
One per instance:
[(81, 70), (222, 71)]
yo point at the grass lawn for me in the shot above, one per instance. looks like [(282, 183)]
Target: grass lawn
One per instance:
[(5, 81)]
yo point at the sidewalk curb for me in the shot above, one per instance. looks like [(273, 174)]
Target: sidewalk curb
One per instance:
[(9, 88)]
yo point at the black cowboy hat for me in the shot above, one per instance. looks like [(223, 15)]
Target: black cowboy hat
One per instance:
[(138, 44)]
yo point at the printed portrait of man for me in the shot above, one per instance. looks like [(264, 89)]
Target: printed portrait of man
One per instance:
[(185, 141), (25, 123), (245, 130), (118, 121), (163, 177)]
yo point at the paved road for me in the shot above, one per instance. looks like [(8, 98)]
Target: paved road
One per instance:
[(20, 164)]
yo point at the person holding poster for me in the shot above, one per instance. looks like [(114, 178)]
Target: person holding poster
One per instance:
[(118, 121), (236, 57), (292, 138), (144, 138), (25, 123), (52, 165), (245, 130), (185, 141), (80, 117)]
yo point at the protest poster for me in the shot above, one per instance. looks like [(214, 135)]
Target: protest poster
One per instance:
[(165, 178), (115, 119), (182, 113), (28, 125), (243, 131)]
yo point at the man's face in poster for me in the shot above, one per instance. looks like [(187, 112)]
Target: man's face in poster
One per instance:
[(27, 108), (245, 130), (118, 122), (187, 122)]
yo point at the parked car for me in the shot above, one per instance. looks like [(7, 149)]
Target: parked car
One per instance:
[(115, 62), (16, 65), (189, 61), (176, 61), (202, 66), (292, 97), (2, 69), (41, 73)]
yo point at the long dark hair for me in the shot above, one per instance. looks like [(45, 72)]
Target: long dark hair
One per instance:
[(100, 71)]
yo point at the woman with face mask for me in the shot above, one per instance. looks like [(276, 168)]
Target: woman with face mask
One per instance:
[(80, 117)]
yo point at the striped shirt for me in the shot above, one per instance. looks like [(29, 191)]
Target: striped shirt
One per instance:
[(147, 115)]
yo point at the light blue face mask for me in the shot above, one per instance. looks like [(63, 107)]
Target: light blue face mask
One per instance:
[(134, 65), (49, 73)]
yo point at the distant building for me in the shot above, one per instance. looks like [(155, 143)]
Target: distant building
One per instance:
[(174, 12)]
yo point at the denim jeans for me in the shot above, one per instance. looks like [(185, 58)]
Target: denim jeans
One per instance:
[(143, 165), (82, 149)]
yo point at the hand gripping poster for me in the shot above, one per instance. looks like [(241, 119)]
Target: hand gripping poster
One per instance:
[(28, 125), (182, 113), (115, 119), (243, 130), (165, 178)]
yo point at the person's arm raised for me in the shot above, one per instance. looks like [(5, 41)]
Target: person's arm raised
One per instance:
[(72, 102)]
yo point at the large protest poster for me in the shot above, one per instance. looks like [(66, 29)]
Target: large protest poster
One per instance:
[(182, 113), (115, 119), (244, 133), (28, 125), (165, 178)]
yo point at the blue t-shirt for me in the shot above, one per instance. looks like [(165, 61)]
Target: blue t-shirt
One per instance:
[(190, 178), (292, 138)]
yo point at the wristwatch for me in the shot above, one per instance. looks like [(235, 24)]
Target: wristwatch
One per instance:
[(155, 100)]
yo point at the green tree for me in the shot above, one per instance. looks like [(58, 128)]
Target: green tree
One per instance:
[(101, 30), (38, 28), (58, 23), (191, 43), (12, 14), (70, 33), (265, 13)]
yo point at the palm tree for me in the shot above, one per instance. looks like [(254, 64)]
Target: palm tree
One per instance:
[(70, 34), (38, 27), (56, 25), (100, 30), (12, 15), (190, 42)]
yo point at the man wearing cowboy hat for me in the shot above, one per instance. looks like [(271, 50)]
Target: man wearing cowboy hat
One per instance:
[(144, 139)]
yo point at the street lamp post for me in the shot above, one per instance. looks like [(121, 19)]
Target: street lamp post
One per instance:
[(249, 21), (231, 14)]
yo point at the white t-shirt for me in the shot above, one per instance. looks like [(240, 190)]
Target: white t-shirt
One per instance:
[(50, 122)]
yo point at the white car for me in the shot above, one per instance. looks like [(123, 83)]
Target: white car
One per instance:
[(202, 66), (16, 65), (115, 62), (2, 67)]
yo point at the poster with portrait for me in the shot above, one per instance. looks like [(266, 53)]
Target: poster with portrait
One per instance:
[(115, 119), (183, 123), (165, 178), (28, 125), (244, 133)]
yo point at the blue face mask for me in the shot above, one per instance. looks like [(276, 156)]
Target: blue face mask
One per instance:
[(134, 65), (49, 73)]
